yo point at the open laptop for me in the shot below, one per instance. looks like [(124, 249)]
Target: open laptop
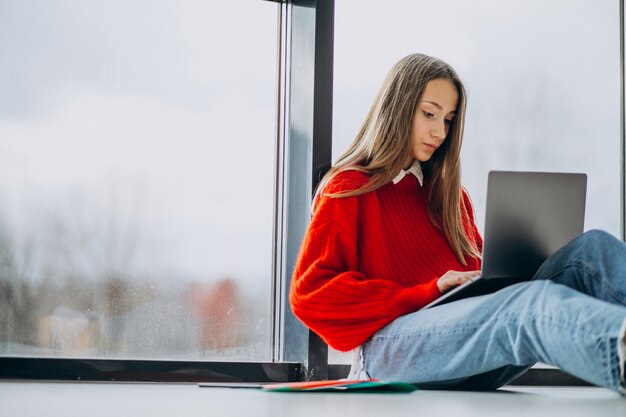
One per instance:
[(529, 216)]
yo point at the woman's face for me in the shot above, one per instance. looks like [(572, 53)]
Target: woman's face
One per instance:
[(432, 119)]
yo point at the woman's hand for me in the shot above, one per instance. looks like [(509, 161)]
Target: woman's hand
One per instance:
[(453, 279)]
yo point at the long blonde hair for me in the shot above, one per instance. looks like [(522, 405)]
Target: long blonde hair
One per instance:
[(381, 147)]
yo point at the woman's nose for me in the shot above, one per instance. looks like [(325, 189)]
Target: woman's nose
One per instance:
[(439, 131)]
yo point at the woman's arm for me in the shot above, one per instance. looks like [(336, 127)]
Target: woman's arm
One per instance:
[(330, 296)]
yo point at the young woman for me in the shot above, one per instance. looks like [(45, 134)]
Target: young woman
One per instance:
[(393, 229)]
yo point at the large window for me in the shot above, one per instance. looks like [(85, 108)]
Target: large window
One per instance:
[(157, 160), (137, 178)]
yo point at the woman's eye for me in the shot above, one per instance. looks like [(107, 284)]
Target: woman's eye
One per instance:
[(448, 121), (429, 115)]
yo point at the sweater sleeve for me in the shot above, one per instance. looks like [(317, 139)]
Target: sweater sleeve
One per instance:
[(328, 293)]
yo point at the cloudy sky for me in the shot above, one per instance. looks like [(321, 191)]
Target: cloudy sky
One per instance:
[(144, 132)]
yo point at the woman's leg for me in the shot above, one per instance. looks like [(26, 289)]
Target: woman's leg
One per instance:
[(594, 263), (502, 333)]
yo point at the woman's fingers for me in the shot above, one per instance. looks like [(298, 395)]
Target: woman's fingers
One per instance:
[(453, 279), (470, 275)]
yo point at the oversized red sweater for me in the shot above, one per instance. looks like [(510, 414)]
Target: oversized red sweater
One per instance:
[(368, 259)]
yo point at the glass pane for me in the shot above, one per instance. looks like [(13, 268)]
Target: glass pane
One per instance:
[(136, 184), (543, 81)]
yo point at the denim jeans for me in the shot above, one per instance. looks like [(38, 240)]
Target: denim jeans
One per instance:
[(571, 315)]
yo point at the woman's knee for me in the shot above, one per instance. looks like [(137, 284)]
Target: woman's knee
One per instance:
[(587, 245), (596, 237)]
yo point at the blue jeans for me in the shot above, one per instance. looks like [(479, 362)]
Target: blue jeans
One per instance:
[(571, 315)]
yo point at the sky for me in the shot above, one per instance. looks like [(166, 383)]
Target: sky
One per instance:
[(139, 136)]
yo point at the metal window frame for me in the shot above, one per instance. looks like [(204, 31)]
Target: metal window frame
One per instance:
[(622, 122)]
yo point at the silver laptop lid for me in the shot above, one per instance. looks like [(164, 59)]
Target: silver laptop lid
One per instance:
[(529, 216)]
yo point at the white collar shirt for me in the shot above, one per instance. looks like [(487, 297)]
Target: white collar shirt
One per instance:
[(415, 169)]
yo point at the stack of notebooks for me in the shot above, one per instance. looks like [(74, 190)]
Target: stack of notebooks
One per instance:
[(335, 385), (371, 385)]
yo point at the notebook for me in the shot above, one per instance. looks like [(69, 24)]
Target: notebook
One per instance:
[(529, 216)]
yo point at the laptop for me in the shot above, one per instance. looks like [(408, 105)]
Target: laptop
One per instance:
[(529, 216)]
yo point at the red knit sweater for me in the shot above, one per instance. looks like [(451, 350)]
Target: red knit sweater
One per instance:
[(368, 259)]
